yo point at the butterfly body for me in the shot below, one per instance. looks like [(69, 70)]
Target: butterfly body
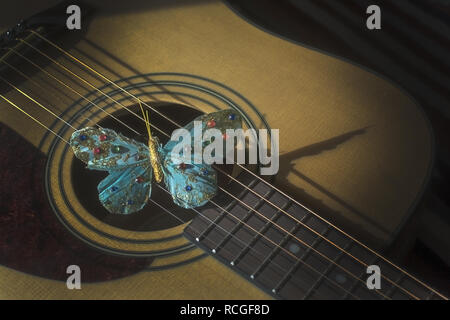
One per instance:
[(132, 164), (155, 160)]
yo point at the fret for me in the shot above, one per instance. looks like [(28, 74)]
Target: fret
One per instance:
[(407, 286), (355, 283), (403, 285), (223, 212), (286, 277), (327, 270), (396, 283), (277, 248), (329, 264), (256, 237), (242, 221)]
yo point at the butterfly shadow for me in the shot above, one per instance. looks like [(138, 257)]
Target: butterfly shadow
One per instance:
[(287, 166)]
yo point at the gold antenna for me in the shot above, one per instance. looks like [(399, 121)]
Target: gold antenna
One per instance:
[(152, 147)]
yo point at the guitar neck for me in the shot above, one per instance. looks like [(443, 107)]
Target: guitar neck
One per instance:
[(292, 254)]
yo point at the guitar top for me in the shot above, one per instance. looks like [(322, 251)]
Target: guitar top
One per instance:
[(355, 151)]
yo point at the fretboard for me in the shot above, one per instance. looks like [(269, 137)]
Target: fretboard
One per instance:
[(289, 252)]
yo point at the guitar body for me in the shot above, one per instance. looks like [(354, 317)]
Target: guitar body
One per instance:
[(353, 146)]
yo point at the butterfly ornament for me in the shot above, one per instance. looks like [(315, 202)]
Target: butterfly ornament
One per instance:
[(131, 165)]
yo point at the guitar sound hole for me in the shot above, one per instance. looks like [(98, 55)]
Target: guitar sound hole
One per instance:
[(151, 217)]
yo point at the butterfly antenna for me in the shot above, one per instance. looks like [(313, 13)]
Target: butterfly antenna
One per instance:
[(146, 118), (151, 146)]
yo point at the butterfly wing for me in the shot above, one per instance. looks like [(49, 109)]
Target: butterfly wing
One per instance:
[(192, 184), (127, 190), (127, 187), (104, 149), (221, 120)]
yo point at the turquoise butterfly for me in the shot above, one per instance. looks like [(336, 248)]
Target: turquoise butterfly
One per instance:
[(132, 164)]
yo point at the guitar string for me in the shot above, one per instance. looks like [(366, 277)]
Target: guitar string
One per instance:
[(249, 171), (283, 193), (227, 232), (84, 81), (195, 210), (264, 257), (266, 200), (212, 222), (37, 84), (43, 125), (183, 222), (67, 87), (33, 118), (305, 225), (52, 92), (288, 232), (37, 102), (264, 181), (264, 217)]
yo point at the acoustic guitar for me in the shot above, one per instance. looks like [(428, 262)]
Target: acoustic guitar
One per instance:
[(355, 151)]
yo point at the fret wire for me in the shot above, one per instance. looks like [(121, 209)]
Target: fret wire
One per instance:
[(219, 226), (129, 110), (319, 234), (72, 127), (298, 260), (286, 277), (222, 214), (99, 74), (397, 281), (255, 176), (355, 240), (225, 261), (162, 207), (243, 220), (237, 269), (68, 143), (221, 188), (198, 212), (211, 226), (327, 270), (259, 269), (44, 108), (255, 238), (305, 244), (355, 283), (303, 257), (87, 82)]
